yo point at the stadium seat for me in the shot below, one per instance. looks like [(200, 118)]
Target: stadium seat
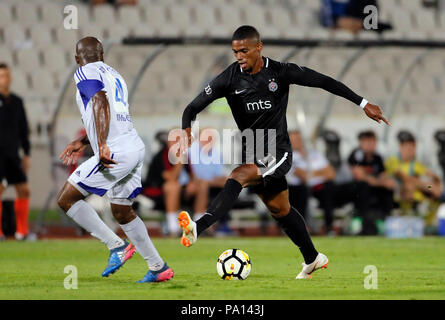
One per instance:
[(269, 31), (368, 35), (67, 38), (204, 17), (20, 83), (293, 32), (306, 19), (402, 20), (255, 15), (417, 35), (41, 36), (195, 31), (230, 16), (6, 17), (156, 16), (145, 30), (129, 15), (6, 56), (318, 34), (104, 15), (55, 59), (280, 18), (180, 16), (92, 30), (171, 30), (28, 60), (220, 30), (14, 36), (26, 13), (425, 20), (52, 14)]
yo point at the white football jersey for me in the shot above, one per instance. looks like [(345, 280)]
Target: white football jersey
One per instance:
[(98, 76)]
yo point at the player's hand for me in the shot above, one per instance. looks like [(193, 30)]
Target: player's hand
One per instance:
[(375, 113), (104, 156), (185, 142), (72, 152)]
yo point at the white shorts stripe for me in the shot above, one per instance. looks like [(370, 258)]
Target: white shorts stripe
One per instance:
[(272, 170)]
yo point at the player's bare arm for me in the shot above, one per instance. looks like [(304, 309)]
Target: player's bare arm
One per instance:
[(101, 110)]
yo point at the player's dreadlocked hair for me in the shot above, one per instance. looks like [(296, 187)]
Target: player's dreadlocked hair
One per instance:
[(246, 32)]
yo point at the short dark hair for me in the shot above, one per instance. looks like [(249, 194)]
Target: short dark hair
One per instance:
[(367, 134), (246, 32), (405, 136), (3, 65)]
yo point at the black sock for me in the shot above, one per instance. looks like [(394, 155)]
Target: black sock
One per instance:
[(294, 226), (220, 205)]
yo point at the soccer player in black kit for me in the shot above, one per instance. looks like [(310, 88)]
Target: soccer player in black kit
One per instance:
[(257, 90)]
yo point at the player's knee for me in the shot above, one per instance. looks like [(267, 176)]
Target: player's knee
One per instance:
[(244, 174), (124, 216), (63, 202), (278, 210)]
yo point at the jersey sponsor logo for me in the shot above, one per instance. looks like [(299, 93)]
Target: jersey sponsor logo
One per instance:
[(240, 91), (273, 86), (123, 117), (78, 173), (208, 90), (258, 105)]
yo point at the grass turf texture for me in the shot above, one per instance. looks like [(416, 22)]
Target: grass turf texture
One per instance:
[(407, 269)]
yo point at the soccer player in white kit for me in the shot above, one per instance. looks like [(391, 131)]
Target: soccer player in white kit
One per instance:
[(115, 168)]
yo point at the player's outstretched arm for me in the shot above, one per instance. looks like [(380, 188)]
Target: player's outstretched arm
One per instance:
[(307, 77), (217, 88), (101, 110)]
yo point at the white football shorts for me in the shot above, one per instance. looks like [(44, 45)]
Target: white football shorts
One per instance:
[(122, 183)]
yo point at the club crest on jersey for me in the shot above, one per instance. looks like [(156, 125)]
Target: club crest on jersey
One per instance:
[(273, 86), (208, 90)]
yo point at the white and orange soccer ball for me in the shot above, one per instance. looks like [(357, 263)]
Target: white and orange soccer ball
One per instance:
[(233, 264)]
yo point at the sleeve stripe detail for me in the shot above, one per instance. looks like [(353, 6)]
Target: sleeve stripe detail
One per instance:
[(81, 71), (77, 76)]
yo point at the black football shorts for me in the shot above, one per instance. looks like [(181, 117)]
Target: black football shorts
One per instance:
[(10, 168)]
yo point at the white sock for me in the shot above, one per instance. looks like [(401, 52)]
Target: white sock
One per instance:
[(137, 232), (85, 216), (172, 222)]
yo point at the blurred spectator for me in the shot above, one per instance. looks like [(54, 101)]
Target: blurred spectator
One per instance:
[(416, 183), (14, 136), (207, 166), (367, 166), (311, 174), (173, 185), (348, 14)]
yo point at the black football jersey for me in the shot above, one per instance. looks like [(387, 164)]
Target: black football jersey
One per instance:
[(259, 101)]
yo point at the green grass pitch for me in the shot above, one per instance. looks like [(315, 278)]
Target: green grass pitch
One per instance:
[(406, 269)]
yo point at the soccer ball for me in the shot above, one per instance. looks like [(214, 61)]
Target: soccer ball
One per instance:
[(233, 264)]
